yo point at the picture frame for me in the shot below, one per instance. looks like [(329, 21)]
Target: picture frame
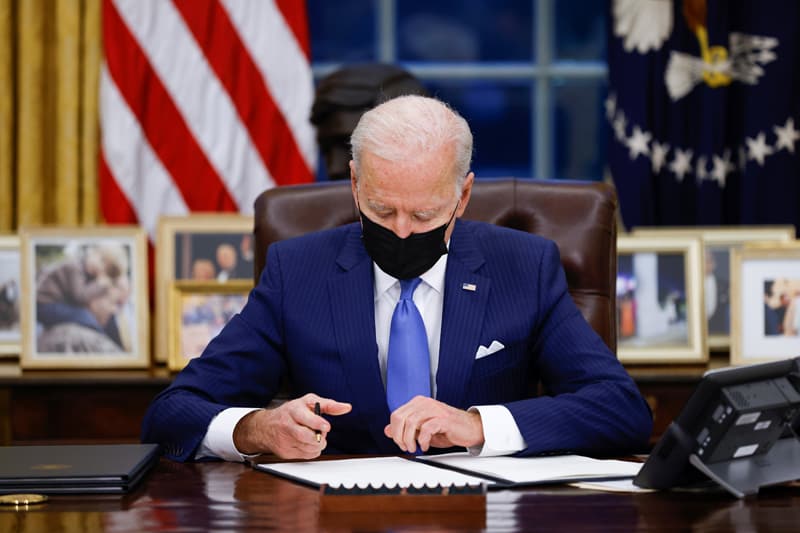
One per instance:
[(10, 285), (187, 243), (84, 301), (718, 242), (659, 300), (765, 297), (198, 311)]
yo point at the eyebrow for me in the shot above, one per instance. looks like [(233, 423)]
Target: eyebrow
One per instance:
[(378, 207), (428, 213)]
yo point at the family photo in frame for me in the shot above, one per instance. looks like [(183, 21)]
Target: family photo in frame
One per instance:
[(85, 298), (198, 312), (659, 300), (718, 241), (10, 332), (766, 303), (210, 247)]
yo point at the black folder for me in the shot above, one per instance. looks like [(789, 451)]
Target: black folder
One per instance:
[(75, 469)]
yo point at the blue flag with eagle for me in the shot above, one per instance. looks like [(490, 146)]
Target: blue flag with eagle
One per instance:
[(704, 111)]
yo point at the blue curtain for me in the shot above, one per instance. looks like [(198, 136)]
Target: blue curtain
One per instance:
[(704, 111)]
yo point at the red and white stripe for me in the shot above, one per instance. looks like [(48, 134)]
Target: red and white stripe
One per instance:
[(204, 104)]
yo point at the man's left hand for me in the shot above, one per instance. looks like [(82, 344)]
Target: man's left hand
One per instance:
[(432, 423)]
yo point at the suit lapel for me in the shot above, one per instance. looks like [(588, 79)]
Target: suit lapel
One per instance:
[(352, 300), (462, 316)]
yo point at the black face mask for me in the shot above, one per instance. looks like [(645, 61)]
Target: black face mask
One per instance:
[(403, 258)]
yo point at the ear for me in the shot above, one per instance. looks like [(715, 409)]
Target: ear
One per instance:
[(354, 182), (466, 193)]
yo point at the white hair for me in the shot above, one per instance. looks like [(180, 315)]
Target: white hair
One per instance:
[(407, 125)]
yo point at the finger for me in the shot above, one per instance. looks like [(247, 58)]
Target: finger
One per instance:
[(406, 430), (395, 429), (426, 433), (306, 438), (303, 452), (334, 408), (410, 433), (327, 405), (305, 421)]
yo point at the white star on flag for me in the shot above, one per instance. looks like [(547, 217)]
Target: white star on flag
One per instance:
[(619, 127), (787, 136), (659, 155), (722, 166), (682, 163), (758, 149), (637, 144)]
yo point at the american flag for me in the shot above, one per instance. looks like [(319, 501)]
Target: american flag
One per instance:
[(204, 104), (703, 111)]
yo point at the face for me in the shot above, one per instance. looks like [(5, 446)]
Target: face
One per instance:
[(710, 263), (93, 263), (226, 256), (412, 197), (203, 269)]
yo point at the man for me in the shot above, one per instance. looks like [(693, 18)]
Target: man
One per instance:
[(497, 319), (343, 96), (226, 261)]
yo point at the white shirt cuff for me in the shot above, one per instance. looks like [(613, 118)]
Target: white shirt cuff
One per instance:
[(218, 441), (500, 432)]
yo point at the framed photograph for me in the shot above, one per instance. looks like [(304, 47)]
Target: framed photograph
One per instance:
[(718, 241), (659, 300), (198, 312), (10, 332), (200, 247), (765, 298), (84, 302)]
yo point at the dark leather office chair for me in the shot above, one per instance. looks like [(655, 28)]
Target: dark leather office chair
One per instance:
[(578, 216)]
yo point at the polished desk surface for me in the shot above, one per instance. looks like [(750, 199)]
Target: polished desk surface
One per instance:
[(235, 497)]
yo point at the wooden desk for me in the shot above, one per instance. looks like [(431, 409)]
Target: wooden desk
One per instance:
[(233, 497), (81, 406)]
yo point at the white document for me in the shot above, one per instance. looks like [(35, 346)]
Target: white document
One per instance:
[(619, 485), (443, 470), (371, 471), (532, 470)]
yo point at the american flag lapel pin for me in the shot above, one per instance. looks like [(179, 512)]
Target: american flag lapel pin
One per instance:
[(469, 287)]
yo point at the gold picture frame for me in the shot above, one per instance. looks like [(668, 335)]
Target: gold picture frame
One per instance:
[(765, 297), (10, 283), (198, 311), (84, 301), (659, 300), (183, 243), (718, 242)]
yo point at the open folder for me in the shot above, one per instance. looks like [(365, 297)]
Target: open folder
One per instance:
[(452, 469)]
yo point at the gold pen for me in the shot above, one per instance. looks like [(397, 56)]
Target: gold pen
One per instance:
[(317, 432)]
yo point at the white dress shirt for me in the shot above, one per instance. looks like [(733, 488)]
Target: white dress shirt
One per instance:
[(501, 433)]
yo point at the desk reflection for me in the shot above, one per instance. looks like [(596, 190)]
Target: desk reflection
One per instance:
[(234, 497)]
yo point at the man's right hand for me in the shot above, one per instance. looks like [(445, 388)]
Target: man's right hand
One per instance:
[(288, 431)]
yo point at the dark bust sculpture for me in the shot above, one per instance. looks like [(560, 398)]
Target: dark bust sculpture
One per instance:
[(343, 96)]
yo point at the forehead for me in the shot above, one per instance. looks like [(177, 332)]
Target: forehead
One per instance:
[(423, 182)]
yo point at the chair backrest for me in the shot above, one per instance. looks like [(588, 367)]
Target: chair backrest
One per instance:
[(578, 216)]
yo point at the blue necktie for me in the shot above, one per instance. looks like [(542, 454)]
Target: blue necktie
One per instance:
[(408, 367)]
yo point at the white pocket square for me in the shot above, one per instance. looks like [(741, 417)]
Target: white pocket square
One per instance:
[(483, 351)]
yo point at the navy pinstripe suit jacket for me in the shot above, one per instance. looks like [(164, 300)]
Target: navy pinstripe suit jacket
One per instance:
[(311, 319)]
